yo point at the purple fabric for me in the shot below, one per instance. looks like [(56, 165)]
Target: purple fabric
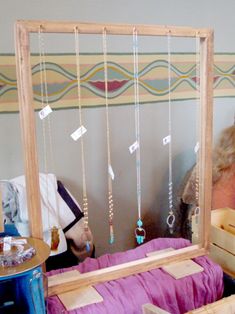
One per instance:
[(127, 295)]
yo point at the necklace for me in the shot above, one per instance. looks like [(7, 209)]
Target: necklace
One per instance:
[(110, 170)]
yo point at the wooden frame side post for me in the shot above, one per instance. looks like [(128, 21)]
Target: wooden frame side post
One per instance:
[(25, 94), (206, 117)]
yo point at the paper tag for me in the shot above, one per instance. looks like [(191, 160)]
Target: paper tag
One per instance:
[(134, 147), (44, 112), (7, 244), (166, 140), (111, 173), (196, 148), (78, 133), (19, 241)]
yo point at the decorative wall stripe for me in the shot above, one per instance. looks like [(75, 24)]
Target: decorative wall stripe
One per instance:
[(153, 80)]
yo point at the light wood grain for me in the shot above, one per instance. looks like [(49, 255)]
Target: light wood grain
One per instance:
[(155, 253), (222, 249), (205, 162), (153, 309), (223, 306), (56, 279), (114, 29), (25, 95), (80, 297), (224, 258), (183, 269)]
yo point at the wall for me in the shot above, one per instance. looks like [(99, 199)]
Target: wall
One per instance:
[(210, 13)]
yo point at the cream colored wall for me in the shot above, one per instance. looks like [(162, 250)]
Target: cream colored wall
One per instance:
[(153, 116)]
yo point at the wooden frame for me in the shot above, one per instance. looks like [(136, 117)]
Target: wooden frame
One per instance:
[(24, 76), (225, 305)]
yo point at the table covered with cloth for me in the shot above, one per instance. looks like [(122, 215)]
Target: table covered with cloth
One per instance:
[(127, 295)]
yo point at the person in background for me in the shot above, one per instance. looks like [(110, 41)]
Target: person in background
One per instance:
[(223, 184), (223, 172)]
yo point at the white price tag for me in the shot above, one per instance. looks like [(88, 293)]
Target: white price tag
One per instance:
[(166, 140), (78, 133), (134, 147), (196, 148), (6, 244), (19, 241), (44, 112), (111, 173)]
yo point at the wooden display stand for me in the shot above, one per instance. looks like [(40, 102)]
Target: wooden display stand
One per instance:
[(226, 305), (222, 249), (25, 89)]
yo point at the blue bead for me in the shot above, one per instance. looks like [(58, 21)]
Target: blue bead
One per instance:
[(139, 239), (111, 240), (88, 246), (139, 223)]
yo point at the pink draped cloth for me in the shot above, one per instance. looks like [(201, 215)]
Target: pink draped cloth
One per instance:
[(127, 295)]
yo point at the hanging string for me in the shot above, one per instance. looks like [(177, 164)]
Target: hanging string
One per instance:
[(55, 238), (197, 147), (139, 231), (43, 86), (171, 217), (86, 234), (109, 170), (44, 95)]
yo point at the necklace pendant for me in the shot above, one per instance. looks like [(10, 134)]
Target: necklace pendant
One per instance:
[(111, 234), (140, 233), (55, 238)]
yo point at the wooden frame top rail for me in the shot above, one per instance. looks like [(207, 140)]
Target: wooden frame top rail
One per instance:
[(112, 29)]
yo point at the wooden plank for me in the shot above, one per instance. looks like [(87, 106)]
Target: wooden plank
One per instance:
[(114, 29), (25, 95), (225, 305), (222, 232), (153, 309), (218, 217), (183, 269), (155, 253), (224, 218), (223, 239), (55, 279), (123, 270), (205, 167), (225, 259), (80, 297), (77, 298)]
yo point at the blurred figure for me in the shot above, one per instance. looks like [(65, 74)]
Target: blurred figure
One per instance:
[(223, 190)]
